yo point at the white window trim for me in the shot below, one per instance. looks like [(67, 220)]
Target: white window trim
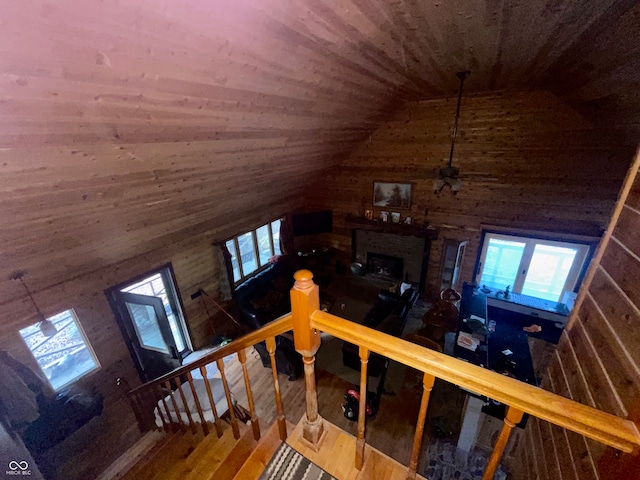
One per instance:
[(531, 239), (256, 251), (87, 343)]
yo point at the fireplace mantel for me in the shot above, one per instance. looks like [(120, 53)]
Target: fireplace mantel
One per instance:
[(418, 230)]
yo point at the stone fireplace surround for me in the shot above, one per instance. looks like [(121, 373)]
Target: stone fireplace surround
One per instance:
[(408, 247)]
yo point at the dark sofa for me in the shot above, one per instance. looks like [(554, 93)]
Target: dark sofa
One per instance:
[(264, 298), (388, 315)]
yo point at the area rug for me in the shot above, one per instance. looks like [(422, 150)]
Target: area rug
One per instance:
[(288, 464), (445, 461), (329, 357)]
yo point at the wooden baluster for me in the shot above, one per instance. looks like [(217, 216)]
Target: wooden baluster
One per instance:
[(137, 410), (227, 392), (176, 410), (192, 424), (242, 356), (282, 423), (166, 408), (427, 386), (512, 417), (216, 418), (305, 299), (205, 427), (165, 423), (362, 407)]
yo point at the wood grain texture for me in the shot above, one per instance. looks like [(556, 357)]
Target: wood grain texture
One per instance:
[(526, 159)]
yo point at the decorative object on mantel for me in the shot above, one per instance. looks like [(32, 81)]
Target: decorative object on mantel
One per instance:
[(407, 220), (419, 230), (395, 217), (368, 214), (449, 174), (392, 194), (384, 216), (47, 328)]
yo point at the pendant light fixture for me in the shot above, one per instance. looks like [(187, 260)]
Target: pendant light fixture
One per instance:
[(47, 328), (449, 174)]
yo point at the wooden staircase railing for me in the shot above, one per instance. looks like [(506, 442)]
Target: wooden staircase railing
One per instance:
[(151, 397), (309, 321)]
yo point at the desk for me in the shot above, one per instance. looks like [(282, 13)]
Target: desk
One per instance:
[(489, 355)]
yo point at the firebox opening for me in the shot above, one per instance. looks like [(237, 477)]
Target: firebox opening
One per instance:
[(385, 265)]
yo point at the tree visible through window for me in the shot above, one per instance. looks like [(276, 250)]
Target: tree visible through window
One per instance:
[(65, 356), (255, 249)]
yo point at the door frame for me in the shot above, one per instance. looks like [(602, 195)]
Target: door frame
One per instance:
[(175, 300)]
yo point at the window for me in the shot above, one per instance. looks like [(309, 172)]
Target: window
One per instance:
[(65, 356), (145, 322), (256, 248), (531, 266)]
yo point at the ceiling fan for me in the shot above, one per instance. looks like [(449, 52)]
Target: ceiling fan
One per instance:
[(450, 175)]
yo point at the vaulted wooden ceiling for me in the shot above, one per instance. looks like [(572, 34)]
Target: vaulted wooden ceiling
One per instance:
[(127, 124)]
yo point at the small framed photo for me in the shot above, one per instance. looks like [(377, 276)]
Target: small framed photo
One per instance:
[(407, 220), (368, 214), (384, 216), (395, 217), (393, 195)]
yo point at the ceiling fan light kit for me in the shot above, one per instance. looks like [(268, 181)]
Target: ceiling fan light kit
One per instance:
[(449, 174)]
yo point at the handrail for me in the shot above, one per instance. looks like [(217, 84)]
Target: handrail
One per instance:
[(590, 422), (272, 329)]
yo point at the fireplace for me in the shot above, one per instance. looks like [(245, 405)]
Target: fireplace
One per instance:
[(386, 266)]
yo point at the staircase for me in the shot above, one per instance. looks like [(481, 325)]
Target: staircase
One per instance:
[(188, 456)]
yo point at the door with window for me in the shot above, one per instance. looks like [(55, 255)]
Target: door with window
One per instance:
[(151, 322), (532, 266)]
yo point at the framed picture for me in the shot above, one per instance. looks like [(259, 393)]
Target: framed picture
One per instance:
[(384, 216), (368, 214), (395, 217), (388, 194)]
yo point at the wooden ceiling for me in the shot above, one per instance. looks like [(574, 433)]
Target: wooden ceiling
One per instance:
[(128, 124)]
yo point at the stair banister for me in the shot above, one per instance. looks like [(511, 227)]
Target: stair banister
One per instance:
[(305, 300)]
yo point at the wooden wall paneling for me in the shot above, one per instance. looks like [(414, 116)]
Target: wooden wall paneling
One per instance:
[(600, 385)]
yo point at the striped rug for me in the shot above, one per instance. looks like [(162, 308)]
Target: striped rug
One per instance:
[(288, 464)]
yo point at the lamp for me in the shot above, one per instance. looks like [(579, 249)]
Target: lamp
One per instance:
[(47, 328), (449, 174)]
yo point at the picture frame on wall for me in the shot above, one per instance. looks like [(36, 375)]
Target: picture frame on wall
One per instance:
[(368, 214), (392, 194)]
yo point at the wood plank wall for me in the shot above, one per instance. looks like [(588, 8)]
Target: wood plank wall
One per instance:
[(527, 161), (598, 361)]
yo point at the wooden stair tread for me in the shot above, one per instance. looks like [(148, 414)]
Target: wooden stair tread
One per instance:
[(261, 455), (337, 456), (147, 445)]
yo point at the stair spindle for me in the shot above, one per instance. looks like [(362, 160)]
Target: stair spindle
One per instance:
[(205, 427), (427, 386), (512, 417), (176, 410), (227, 392), (187, 410), (362, 407), (255, 426), (216, 418), (282, 424), (165, 422)]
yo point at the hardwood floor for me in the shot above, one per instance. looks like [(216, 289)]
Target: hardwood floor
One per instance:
[(391, 431)]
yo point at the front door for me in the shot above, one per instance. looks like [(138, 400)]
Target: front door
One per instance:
[(149, 333), (150, 319)]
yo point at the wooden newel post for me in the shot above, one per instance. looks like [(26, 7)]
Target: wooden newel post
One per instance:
[(305, 300)]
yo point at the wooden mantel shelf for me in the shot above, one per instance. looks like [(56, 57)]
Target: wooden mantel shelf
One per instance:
[(419, 230)]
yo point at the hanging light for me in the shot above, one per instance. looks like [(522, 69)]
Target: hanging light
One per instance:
[(47, 328), (449, 174)]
